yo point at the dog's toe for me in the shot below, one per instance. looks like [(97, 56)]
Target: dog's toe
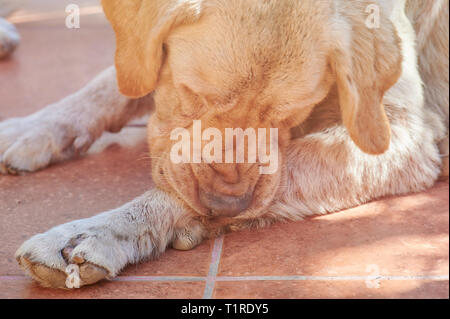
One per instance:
[(44, 275), (90, 274)]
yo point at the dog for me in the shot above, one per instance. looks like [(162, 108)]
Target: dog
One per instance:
[(361, 111)]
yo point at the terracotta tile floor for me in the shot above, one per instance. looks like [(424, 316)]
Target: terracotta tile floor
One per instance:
[(392, 248)]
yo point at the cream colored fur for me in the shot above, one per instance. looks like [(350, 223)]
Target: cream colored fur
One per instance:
[(324, 168)]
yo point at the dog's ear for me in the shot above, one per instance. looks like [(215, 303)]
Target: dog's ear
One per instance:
[(367, 62), (141, 27)]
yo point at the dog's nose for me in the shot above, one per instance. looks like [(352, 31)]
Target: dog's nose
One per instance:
[(232, 173), (225, 205)]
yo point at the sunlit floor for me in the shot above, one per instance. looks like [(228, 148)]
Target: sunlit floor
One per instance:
[(392, 248)]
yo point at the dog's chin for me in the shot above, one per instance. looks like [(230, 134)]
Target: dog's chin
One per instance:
[(179, 180), (252, 212), (263, 196)]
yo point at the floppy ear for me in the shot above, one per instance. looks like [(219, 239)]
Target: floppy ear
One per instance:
[(141, 26), (367, 62)]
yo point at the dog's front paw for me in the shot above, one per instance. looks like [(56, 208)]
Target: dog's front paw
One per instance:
[(31, 143), (9, 38), (71, 256)]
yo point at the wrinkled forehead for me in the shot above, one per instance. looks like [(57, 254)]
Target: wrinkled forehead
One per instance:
[(224, 53)]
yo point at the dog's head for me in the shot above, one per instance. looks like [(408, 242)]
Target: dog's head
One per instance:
[(249, 64)]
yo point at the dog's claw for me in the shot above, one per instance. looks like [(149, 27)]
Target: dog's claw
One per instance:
[(8, 170)]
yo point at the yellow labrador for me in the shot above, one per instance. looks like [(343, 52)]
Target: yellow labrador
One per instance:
[(343, 90)]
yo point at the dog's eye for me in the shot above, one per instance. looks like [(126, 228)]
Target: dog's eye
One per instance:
[(221, 103), (191, 102)]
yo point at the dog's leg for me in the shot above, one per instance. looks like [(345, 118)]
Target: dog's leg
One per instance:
[(67, 128), (430, 20), (326, 172), (9, 38), (102, 245), (444, 149)]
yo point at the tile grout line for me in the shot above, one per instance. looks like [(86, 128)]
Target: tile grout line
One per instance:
[(158, 278), (281, 278), (255, 278), (13, 277), (331, 278), (213, 267)]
